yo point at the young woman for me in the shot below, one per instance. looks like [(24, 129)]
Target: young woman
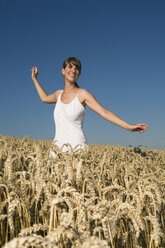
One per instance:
[(70, 108)]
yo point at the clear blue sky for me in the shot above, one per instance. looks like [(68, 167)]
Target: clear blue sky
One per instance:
[(121, 45)]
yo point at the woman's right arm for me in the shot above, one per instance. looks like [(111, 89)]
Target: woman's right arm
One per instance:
[(43, 95)]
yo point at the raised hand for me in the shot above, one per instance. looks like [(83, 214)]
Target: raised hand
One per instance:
[(34, 72)]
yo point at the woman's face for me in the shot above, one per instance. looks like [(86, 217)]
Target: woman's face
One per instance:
[(70, 72)]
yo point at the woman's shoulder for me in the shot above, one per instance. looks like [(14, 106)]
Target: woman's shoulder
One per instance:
[(83, 91), (58, 92), (83, 94)]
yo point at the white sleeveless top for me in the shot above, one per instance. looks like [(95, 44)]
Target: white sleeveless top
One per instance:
[(69, 124)]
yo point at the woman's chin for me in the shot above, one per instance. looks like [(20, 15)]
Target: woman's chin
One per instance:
[(72, 81)]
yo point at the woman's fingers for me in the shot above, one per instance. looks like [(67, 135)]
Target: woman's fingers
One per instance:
[(140, 127), (144, 126), (34, 71)]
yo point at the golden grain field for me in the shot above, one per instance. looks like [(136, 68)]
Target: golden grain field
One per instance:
[(106, 197)]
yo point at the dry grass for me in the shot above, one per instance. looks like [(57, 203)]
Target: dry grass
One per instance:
[(107, 197)]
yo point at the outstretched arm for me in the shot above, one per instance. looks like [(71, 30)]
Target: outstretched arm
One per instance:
[(92, 103), (43, 95)]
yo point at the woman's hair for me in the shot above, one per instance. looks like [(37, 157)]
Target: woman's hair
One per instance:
[(74, 61)]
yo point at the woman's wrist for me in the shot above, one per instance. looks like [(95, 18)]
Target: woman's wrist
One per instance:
[(34, 78), (129, 127)]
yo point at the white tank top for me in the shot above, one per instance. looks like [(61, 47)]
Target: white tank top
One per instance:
[(69, 125)]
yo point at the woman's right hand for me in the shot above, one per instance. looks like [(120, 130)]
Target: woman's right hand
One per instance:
[(34, 72)]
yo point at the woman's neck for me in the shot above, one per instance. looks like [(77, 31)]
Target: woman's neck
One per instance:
[(69, 86)]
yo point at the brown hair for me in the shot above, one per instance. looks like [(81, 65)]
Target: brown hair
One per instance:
[(74, 61)]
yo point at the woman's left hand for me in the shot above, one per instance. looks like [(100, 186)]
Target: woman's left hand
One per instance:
[(140, 127)]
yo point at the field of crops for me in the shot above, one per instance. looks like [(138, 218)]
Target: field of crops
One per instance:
[(106, 197)]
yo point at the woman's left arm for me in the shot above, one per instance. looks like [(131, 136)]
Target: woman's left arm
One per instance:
[(93, 104)]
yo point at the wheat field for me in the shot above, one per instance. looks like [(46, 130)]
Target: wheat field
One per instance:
[(105, 197)]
